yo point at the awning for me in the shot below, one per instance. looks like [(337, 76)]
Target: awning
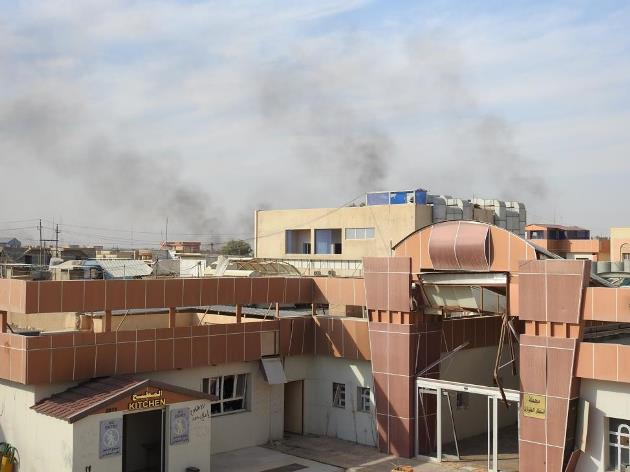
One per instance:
[(109, 394), (274, 370)]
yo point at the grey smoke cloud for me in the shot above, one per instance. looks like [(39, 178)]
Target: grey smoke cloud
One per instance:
[(329, 136), (49, 133)]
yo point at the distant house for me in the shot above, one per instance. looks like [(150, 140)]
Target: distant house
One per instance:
[(12, 243)]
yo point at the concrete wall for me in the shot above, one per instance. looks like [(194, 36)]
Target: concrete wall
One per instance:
[(475, 366), (607, 400), (320, 417), (391, 223), (43, 443), (195, 452), (262, 421)]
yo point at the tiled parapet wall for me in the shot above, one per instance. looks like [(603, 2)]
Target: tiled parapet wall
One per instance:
[(550, 304), (83, 355), (603, 361), (325, 336), (398, 352), (98, 295)]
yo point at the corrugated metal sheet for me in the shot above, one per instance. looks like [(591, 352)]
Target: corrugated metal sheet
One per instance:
[(120, 268)]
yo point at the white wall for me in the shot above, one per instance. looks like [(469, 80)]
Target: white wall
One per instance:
[(195, 452), (475, 366), (31, 432), (86, 445), (607, 400), (320, 417), (262, 421)]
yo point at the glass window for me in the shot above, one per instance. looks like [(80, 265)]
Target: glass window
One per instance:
[(339, 395), (230, 392), (363, 399), (619, 437), (359, 233)]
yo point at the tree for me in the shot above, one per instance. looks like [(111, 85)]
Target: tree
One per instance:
[(236, 247)]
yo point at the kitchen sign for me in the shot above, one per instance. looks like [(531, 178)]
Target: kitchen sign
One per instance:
[(534, 406), (147, 400)]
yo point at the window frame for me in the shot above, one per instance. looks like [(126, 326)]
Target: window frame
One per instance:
[(364, 401), (217, 386), (339, 395), (617, 448), (359, 234)]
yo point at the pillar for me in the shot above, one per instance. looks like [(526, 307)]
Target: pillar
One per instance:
[(107, 325), (277, 310), (3, 321), (172, 312), (550, 299), (238, 313)]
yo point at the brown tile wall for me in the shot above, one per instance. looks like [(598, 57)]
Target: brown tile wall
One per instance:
[(83, 355), (603, 361), (387, 283), (399, 351), (98, 295), (550, 303), (328, 336)]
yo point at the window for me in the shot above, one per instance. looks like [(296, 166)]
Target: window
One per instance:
[(363, 399), (619, 443), (339, 395), (359, 233), (230, 390), (537, 234)]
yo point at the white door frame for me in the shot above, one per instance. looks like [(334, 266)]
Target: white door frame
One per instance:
[(493, 395)]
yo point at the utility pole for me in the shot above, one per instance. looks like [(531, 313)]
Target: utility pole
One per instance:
[(40, 242), (57, 240), (166, 232)]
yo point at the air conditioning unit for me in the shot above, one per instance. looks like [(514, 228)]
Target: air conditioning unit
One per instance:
[(317, 272), (332, 273)]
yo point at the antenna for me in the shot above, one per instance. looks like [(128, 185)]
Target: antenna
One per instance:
[(166, 231)]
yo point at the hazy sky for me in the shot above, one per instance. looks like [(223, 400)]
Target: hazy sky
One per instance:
[(115, 115)]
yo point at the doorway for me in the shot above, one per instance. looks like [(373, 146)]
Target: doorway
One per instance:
[(294, 407), (481, 448), (143, 446)]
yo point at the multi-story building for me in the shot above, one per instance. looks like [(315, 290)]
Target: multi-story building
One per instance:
[(569, 242), (333, 241)]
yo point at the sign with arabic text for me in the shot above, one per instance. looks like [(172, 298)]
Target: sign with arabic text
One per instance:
[(140, 401), (534, 406), (110, 438), (180, 425)]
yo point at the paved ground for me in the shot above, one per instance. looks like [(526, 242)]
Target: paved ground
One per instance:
[(354, 457), (260, 459), (311, 453)]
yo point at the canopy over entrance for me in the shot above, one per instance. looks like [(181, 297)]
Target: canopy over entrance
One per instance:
[(108, 394)]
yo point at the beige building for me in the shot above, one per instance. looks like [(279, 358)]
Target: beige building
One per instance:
[(333, 241), (619, 244)]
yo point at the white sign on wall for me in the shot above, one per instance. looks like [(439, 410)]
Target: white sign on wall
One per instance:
[(110, 438), (180, 425)]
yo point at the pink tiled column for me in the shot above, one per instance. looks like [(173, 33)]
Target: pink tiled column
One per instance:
[(550, 302), (399, 351)]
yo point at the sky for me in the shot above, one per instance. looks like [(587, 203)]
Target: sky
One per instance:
[(116, 115)]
